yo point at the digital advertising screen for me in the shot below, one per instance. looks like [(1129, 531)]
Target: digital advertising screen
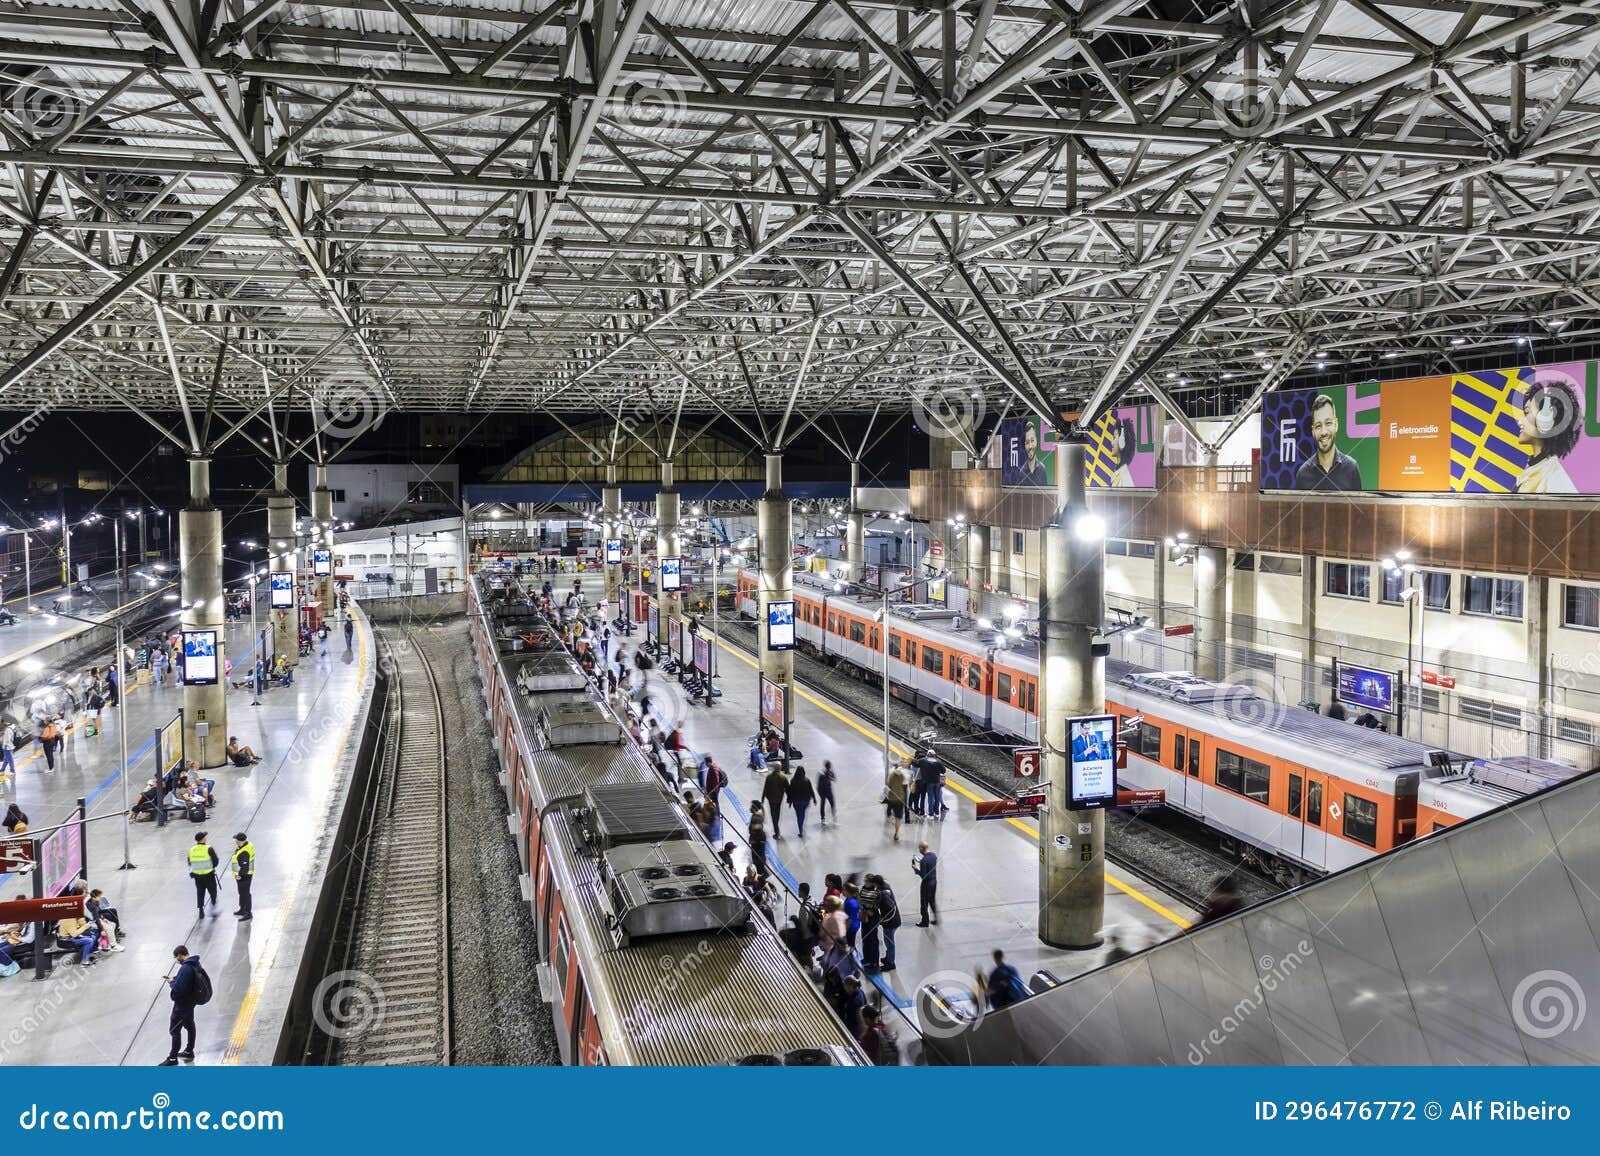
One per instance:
[(671, 574), (1122, 451), (613, 551), (171, 743), (1092, 762), (1525, 430), (61, 857), (199, 657), (936, 591), (869, 576), (1364, 688), (281, 583), (702, 655), (652, 630), (780, 625), (675, 638), (322, 563), (774, 703)]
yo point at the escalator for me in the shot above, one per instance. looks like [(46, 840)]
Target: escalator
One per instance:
[(1476, 945)]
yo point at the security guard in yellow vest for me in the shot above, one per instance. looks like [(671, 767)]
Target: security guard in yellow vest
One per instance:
[(244, 871), (203, 864)]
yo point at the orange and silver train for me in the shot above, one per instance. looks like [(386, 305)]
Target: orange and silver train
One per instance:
[(1291, 790), (650, 953)]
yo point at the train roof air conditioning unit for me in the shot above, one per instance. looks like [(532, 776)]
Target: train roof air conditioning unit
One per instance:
[(670, 888)]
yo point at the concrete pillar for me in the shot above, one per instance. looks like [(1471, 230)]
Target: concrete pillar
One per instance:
[(855, 533), (1210, 612), (774, 537), (667, 546), (1072, 857), (1310, 679), (322, 536), (205, 708), (977, 565), (948, 438), (283, 559), (1158, 590), (1536, 605), (611, 520)]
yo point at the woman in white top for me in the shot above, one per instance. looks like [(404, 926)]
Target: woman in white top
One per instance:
[(1549, 429)]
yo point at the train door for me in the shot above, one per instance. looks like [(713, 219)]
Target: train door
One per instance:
[(1187, 781), (1314, 830)]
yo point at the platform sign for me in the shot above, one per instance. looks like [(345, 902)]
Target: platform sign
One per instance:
[(282, 587), (322, 563), (671, 574), (780, 625), (199, 657), (702, 655), (50, 909), (1092, 767), (15, 854), (61, 857), (652, 628), (1025, 762), (1434, 678), (675, 638), (1006, 809), (1142, 798), (774, 703), (613, 551), (1179, 630), (171, 744), (1365, 688)]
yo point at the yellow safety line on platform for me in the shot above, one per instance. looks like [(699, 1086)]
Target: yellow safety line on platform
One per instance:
[(258, 978), (901, 752)]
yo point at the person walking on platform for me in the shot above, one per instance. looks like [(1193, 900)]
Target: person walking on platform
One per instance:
[(189, 987), (349, 632), (926, 866), (868, 909), (825, 797), (894, 798), (50, 741), (774, 790), (244, 872), (757, 830), (8, 752), (801, 795), (888, 908), (203, 864)]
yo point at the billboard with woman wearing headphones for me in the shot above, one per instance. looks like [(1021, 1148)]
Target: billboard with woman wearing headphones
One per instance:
[(1528, 430)]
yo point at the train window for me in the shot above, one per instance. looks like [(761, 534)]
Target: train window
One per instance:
[(1361, 820), (1296, 785), (1002, 686), (933, 660), (858, 632), (1150, 741), (958, 666), (1194, 758), (911, 650), (1437, 827), (894, 645), (1243, 776), (1033, 706), (872, 639), (562, 957), (1177, 752), (832, 619), (1314, 803), (975, 675)]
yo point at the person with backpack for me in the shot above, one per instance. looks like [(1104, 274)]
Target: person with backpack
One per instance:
[(716, 779), (888, 910), (50, 741), (880, 1044), (1005, 986), (189, 987), (203, 864)]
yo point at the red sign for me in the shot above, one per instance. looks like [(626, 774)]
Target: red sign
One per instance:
[(1142, 798), (42, 910), (1006, 809), (1433, 678), (1025, 762), (936, 548), (15, 854), (1174, 631), (1122, 755)]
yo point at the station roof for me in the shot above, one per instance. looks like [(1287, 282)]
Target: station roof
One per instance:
[(709, 206)]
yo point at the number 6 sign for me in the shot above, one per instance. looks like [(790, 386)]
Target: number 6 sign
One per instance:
[(1025, 762)]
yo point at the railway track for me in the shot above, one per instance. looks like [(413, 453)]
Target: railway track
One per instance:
[(1133, 842), (397, 965)]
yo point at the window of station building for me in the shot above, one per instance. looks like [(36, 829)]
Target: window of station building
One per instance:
[(1243, 776), (858, 632), (1394, 587), (1002, 686), (1283, 565), (1244, 561), (1141, 549), (1436, 585), (1580, 607), (933, 660), (1347, 580), (1361, 820), (1117, 546), (1494, 597)]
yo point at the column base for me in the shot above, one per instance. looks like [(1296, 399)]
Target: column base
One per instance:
[(1090, 946)]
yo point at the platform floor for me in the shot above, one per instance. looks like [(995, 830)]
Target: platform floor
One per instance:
[(34, 632), (988, 871), (116, 1011)]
